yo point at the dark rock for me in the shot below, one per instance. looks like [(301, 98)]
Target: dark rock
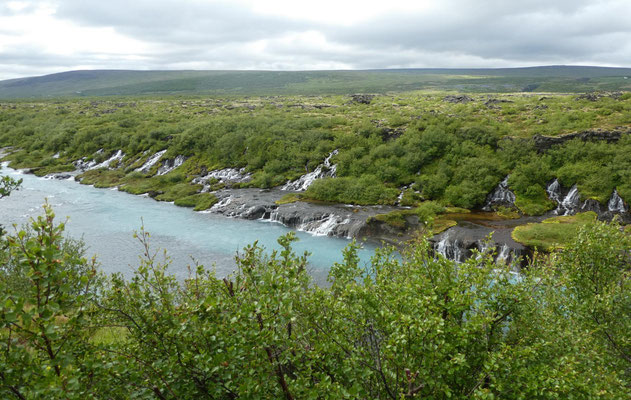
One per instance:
[(362, 98), (458, 98), (493, 102), (543, 143)]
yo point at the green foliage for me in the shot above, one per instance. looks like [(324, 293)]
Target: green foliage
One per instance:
[(366, 189), (46, 290), (199, 201), (407, 325)]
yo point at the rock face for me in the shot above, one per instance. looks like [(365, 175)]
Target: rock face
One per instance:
[(458, 98), (362, 98), (460, 242), (318, 219), (543, 143)]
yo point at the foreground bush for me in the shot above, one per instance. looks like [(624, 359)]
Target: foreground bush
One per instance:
[(405, 326)]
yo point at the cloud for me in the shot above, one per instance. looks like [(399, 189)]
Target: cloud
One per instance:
[(44, 36)]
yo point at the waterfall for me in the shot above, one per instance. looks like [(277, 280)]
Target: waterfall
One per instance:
[(450, 249), (170, 165), (500, 195), (570, 203), (503, 254), (150, 162), (554, 191), (105, 164), (306, 180), (323, 227), (616, 204)]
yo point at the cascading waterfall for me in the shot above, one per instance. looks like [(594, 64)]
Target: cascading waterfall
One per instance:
[(106, 164), (226, 175), (450, 249), (554, 191), (616, 204), (150, 162), (500, 195), (323, 227), (306, 180), (503, 254), (170, 165), (570, 203)]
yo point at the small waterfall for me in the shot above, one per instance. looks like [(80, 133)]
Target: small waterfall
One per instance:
[(450, 249), (616, 204), (500, 195), (106, 164), (221, 204), (306, 180), (554, 191), (226, 175), (323, 227), (170, 165), (570, 203), (150, 162), (503, 254)]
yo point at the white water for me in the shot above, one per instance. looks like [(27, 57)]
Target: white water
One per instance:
[(570, 203), (503, 254), (501, 195), (116, 158), (554, 191), (448, 248), (107, 220), (151, 162), (170, 165), (616, 204), (306, 180), (226, 175)]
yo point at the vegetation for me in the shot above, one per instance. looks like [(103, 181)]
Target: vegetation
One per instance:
[(138, 83), (450, 151), (408, 326), (553, 233)]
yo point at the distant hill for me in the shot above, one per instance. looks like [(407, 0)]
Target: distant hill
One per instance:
[(157, 83)]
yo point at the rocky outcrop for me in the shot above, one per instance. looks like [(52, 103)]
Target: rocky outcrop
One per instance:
[(362, 98), (543, 143), (458, 99), (500, 196), (318, 219)]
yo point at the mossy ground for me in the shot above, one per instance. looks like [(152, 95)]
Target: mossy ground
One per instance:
[(552, 233)]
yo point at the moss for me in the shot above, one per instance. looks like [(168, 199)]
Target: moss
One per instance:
[(199, 201), (178, 191), (439, 225), (507, 213), (289, 198), (424, 215), (552, 233), (102, 178)]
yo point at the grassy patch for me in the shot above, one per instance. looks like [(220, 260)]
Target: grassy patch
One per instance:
[(102, 178), (552, 233), (405, 219), (442, 224), (289, 198), (199, 201)]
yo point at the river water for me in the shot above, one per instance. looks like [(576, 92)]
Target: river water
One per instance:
[(106, 220)]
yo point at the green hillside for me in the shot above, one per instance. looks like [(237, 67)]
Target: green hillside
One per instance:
[(134, 83)]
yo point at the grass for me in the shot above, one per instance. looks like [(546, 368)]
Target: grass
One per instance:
[(289, 198), (552, 233), (199, 201)]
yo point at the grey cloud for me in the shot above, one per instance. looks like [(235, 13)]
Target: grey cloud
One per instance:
[(453, 33)]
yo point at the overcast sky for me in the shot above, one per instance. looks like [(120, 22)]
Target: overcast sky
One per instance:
[(45, 36)]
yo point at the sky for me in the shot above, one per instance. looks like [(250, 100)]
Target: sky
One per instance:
[(40, 37)]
